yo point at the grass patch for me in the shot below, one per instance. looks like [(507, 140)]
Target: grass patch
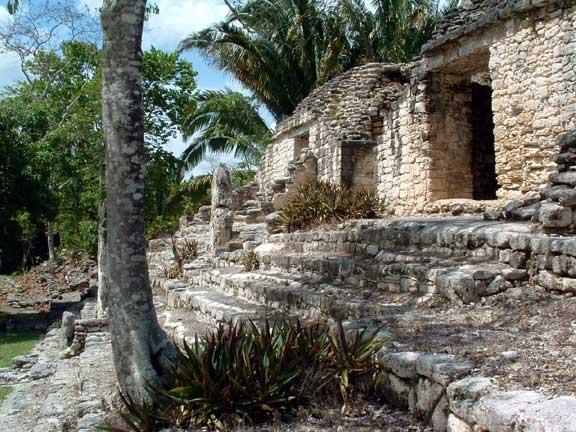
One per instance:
[(15, 344), (4, 392)]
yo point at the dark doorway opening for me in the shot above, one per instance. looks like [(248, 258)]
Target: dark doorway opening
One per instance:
[(485, 183)]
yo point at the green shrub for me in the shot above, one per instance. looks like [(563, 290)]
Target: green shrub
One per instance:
[(242, 374), (321, 202), (250, 261), (161, 225)]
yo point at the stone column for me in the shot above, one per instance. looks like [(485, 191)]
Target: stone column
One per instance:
[(222, 216)]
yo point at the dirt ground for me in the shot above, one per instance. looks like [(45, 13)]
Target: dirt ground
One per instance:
[(524, 337)]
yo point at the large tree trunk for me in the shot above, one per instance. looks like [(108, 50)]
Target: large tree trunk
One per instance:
[(142, 350)]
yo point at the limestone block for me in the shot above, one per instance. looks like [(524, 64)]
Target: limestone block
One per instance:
[(399, 392), (428, 395), (565, 178), (555, 216), (520, 242), (502, 411), (425, 363), (457, 286), (455, 424), (402, 364), (556, 415), (514, 274), (556, 192), (567, 140), (440, 415), (463, 394), (67, 329)]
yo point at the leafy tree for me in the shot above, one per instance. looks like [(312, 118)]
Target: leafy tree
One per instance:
[(24, 198), (228, 122), (281, 50), (63, 105)]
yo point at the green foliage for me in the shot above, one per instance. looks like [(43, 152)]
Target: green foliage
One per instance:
[(322, 202), (187, 250), (282, 50), (184, 251), (52, 150), (243, 374), (4, 392), (225, 122), (171, 272), (250, 261), (16, 344)]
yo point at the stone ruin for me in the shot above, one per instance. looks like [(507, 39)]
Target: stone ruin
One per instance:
[(474, 119), (480, 122)]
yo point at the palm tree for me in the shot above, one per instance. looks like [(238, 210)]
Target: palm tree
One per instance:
[(281, 50), (391, 30), (225, 122)]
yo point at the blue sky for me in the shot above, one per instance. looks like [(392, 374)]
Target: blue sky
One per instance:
[(176, 20)]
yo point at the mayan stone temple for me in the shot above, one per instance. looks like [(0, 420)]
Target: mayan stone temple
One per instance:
[(476, 117), (469, 275)]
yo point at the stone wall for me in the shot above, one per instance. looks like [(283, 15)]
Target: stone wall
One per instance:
[(548, 261), (432, 387), (414, 132), (338, 123), (533, 72)]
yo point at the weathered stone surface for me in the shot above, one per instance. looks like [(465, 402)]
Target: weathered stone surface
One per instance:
[(555, 216), (457, 286), (526, 213), (67, 333), (455, 424), (463, 394), (566, 178), (402, 364), (502, 411), (555, 415), (272, 221), (567, 140), (401, 393), (222, 214), (426, 363), (24, 361), (428, 395)]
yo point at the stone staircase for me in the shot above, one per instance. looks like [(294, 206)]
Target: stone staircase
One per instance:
[(363, 272)]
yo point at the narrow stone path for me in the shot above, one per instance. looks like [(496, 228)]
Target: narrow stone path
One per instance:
[(53, 394)]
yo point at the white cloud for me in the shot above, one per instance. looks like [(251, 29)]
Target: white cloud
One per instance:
[(177, 19), (9, 69)]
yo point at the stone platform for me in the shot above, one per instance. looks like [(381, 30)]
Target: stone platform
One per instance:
[(394, 273)]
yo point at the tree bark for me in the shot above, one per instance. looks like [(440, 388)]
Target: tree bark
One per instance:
[(50, 239), (142, 351)]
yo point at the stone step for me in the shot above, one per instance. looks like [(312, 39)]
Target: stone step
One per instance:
[(213, 305), (308, 297), (466, 278)]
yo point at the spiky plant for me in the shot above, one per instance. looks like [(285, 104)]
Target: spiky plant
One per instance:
[(245, 374), (320, 203)]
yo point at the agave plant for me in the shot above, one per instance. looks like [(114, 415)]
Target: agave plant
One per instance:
[(245, 374), (322, 202)]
